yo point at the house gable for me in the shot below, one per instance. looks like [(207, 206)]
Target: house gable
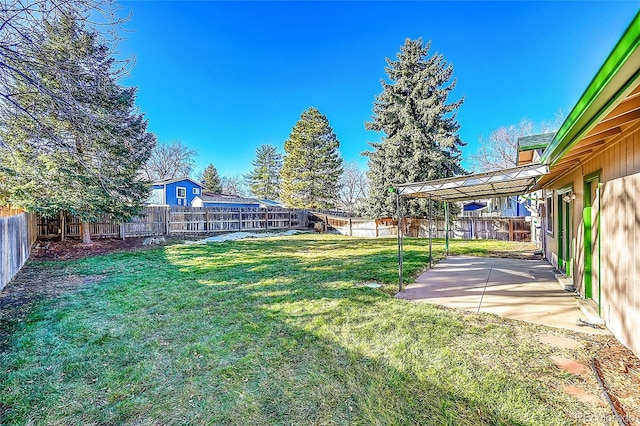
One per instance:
[(177, 192)]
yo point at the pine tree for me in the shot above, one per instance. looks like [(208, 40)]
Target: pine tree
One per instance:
[(264, 179), (312, 165), (420, 140), (101, 142), (211, 180)]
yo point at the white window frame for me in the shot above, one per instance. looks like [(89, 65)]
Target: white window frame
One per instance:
[(196, 191), (549, 214), (178, 188)]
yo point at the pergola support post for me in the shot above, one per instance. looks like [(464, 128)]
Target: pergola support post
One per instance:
[(446, 228), (400, 241), (430, 241)]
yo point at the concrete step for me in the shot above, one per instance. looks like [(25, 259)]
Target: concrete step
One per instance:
[(566, 283), (590, 310)]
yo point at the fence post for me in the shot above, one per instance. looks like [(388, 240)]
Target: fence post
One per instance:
[(167, 220), (266, 218), (206, 219), (511, 230), (376, 222), (326, 223), (122, 230), (350, 228), (63, 225)]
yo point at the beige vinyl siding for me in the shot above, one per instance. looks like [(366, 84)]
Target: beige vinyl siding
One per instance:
[(619, 167)]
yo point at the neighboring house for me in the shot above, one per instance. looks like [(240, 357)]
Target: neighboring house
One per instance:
[(592, 193), (175, 192), (472, 208), (530, 148), (207, 199), (508, 206)]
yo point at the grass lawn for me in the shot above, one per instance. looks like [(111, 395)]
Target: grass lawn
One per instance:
[(270, 331)]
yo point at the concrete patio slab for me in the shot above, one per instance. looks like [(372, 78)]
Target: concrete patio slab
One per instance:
[(519, 289)]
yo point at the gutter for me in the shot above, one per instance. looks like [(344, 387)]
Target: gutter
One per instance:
[(613, 78)]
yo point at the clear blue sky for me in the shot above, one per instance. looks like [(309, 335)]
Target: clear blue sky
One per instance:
[(226, 77)]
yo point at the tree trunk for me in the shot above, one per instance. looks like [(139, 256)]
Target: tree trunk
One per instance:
[(86, 233)]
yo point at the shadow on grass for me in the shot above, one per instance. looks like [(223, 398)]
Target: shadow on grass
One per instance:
[(252, 332)]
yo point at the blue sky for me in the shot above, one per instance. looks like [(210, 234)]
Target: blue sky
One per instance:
[(227, 77)]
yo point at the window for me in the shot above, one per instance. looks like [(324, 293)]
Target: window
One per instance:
[(196, 191), (548, 212), (181, 192)]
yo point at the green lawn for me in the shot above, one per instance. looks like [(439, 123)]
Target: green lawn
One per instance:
[(270, 331)]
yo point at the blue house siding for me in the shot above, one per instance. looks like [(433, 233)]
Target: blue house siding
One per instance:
[(176, 193), (172, 198)]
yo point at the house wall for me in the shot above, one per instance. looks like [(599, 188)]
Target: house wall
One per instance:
[(619, 168), (171, 194), (157, 195)]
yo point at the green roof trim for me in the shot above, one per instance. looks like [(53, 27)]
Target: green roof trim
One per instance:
[(618, 72), (527, 143)]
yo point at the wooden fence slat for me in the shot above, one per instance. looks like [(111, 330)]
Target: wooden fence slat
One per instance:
[(17, 235)]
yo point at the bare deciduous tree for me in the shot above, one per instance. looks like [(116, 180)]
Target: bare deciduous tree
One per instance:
[(352, 189), (169, 161), (234, 185), (500, 149)]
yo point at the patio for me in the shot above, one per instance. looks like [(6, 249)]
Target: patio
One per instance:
[(519, 289)]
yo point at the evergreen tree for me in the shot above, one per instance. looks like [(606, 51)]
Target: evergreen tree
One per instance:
[(211, 180), (420, 140), (312, 163), (93, 167), (264, 179)]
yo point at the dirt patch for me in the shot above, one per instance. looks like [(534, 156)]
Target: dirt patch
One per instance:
[(584, 396), (559, 341), (620, 370), (570, 366), (520, 250), (74, 249)]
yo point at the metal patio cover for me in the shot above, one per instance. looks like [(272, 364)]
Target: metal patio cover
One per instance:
[(499, 183)]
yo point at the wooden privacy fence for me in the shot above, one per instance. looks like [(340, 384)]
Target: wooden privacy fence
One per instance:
[(17, 235), (184, 220), (495, 228), (175, 220), (490, 228)]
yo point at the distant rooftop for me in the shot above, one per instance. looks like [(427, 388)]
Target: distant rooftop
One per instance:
[(168, 181), (224, 198), (542, 140)]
